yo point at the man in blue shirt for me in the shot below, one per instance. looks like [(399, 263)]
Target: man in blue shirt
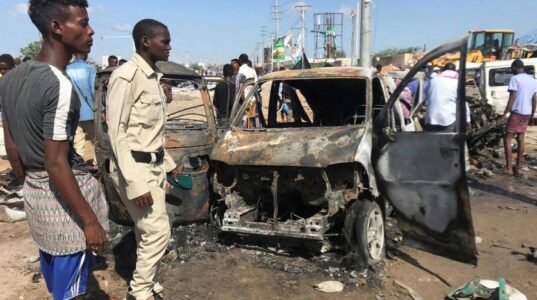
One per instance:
[(82, 76)]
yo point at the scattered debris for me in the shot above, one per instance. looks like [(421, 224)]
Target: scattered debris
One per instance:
[(532, 256), (31, 259), (329, 286), (171, 256), (291, 269), (11, 215), (413, 294), (479, 288), (35, 277), (478, 240), (523, 209), (11, 206)]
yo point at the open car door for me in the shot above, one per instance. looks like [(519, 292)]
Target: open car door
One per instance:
[(422, 173)]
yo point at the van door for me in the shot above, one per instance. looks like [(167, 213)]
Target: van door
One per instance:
[(423, 176)]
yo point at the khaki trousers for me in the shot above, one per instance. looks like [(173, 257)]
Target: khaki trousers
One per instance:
[(152, 229), (84, 139)]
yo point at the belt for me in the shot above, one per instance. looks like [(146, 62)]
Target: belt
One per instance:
[(148, 157)]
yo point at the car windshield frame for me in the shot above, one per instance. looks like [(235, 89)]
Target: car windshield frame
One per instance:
[(236, 123)]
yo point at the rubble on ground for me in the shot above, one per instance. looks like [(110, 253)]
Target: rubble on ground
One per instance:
[(11, 205), (485, 129)]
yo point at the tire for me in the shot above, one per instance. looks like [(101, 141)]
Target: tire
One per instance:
[(369, 231)]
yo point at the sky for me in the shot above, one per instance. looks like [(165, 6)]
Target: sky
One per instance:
[(215, 31)]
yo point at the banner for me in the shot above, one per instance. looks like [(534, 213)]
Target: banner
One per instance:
[(278, 50), (296, 51), (288, 41)]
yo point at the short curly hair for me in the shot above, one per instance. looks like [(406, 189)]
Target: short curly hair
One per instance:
[(146, 27), (42, 11), (8, 60)]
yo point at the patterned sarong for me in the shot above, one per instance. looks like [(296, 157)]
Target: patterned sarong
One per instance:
[(55, 229), (517, 123)]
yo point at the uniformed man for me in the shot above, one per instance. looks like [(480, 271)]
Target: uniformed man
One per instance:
[(136, 117)]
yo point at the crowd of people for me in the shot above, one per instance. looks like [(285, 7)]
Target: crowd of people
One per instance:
[(47, 117)]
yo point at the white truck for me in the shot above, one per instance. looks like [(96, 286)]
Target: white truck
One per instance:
[(491, 80)]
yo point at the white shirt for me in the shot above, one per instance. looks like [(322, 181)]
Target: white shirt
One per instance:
[(525, 87), (244, 74), (442, 100)]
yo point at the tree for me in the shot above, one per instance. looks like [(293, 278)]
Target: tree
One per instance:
[(341, 54), (396, 51), (33, 49)]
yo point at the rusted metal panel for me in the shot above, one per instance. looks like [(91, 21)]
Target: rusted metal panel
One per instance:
[(184, 138), (304, 147)]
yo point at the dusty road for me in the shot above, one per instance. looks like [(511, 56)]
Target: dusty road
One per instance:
[(203, 266)]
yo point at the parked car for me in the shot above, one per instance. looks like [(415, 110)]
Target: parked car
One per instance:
[(190, 136), (342, 155)]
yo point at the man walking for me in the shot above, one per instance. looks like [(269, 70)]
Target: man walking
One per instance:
[(522, 100), (136, 118), (82, 76), (224, 95), (64, 204)]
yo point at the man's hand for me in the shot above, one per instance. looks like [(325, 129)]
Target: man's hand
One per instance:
[(143, 201), (174, 174), (531, 122), (167, 91), (95, 237)]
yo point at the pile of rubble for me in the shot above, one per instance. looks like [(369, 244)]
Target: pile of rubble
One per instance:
[(11, 201), (485, 129)]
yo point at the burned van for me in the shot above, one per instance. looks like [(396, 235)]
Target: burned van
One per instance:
[(322, 152), (190, 136)]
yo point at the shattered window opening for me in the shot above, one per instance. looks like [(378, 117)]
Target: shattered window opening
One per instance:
[(305, 103), (187, 107)]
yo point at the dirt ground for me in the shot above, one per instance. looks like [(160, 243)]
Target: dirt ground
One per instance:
[(203, 265)]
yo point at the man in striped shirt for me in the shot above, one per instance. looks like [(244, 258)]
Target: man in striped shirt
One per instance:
[(65, 207)]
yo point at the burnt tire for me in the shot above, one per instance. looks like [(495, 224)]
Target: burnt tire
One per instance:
[(365, 230)]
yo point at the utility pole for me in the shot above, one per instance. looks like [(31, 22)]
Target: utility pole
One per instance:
[(276, 19), (263, 35), (365, 34), (303, 9), (354, 45)]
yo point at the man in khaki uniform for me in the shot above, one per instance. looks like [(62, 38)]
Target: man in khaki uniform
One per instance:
[(136, 117)]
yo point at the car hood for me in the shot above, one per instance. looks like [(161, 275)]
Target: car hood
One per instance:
[(305, 147)]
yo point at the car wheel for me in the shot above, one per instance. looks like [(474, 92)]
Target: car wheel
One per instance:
[(369, 231)]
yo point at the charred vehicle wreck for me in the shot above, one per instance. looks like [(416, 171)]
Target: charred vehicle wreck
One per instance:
[(341, 154), (190, 136)]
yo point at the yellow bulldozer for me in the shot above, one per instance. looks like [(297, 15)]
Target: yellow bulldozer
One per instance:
[(484, 45)]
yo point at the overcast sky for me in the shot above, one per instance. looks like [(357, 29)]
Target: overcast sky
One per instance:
[(214, 31)]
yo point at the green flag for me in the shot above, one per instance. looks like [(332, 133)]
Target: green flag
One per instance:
[(278, 50)]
